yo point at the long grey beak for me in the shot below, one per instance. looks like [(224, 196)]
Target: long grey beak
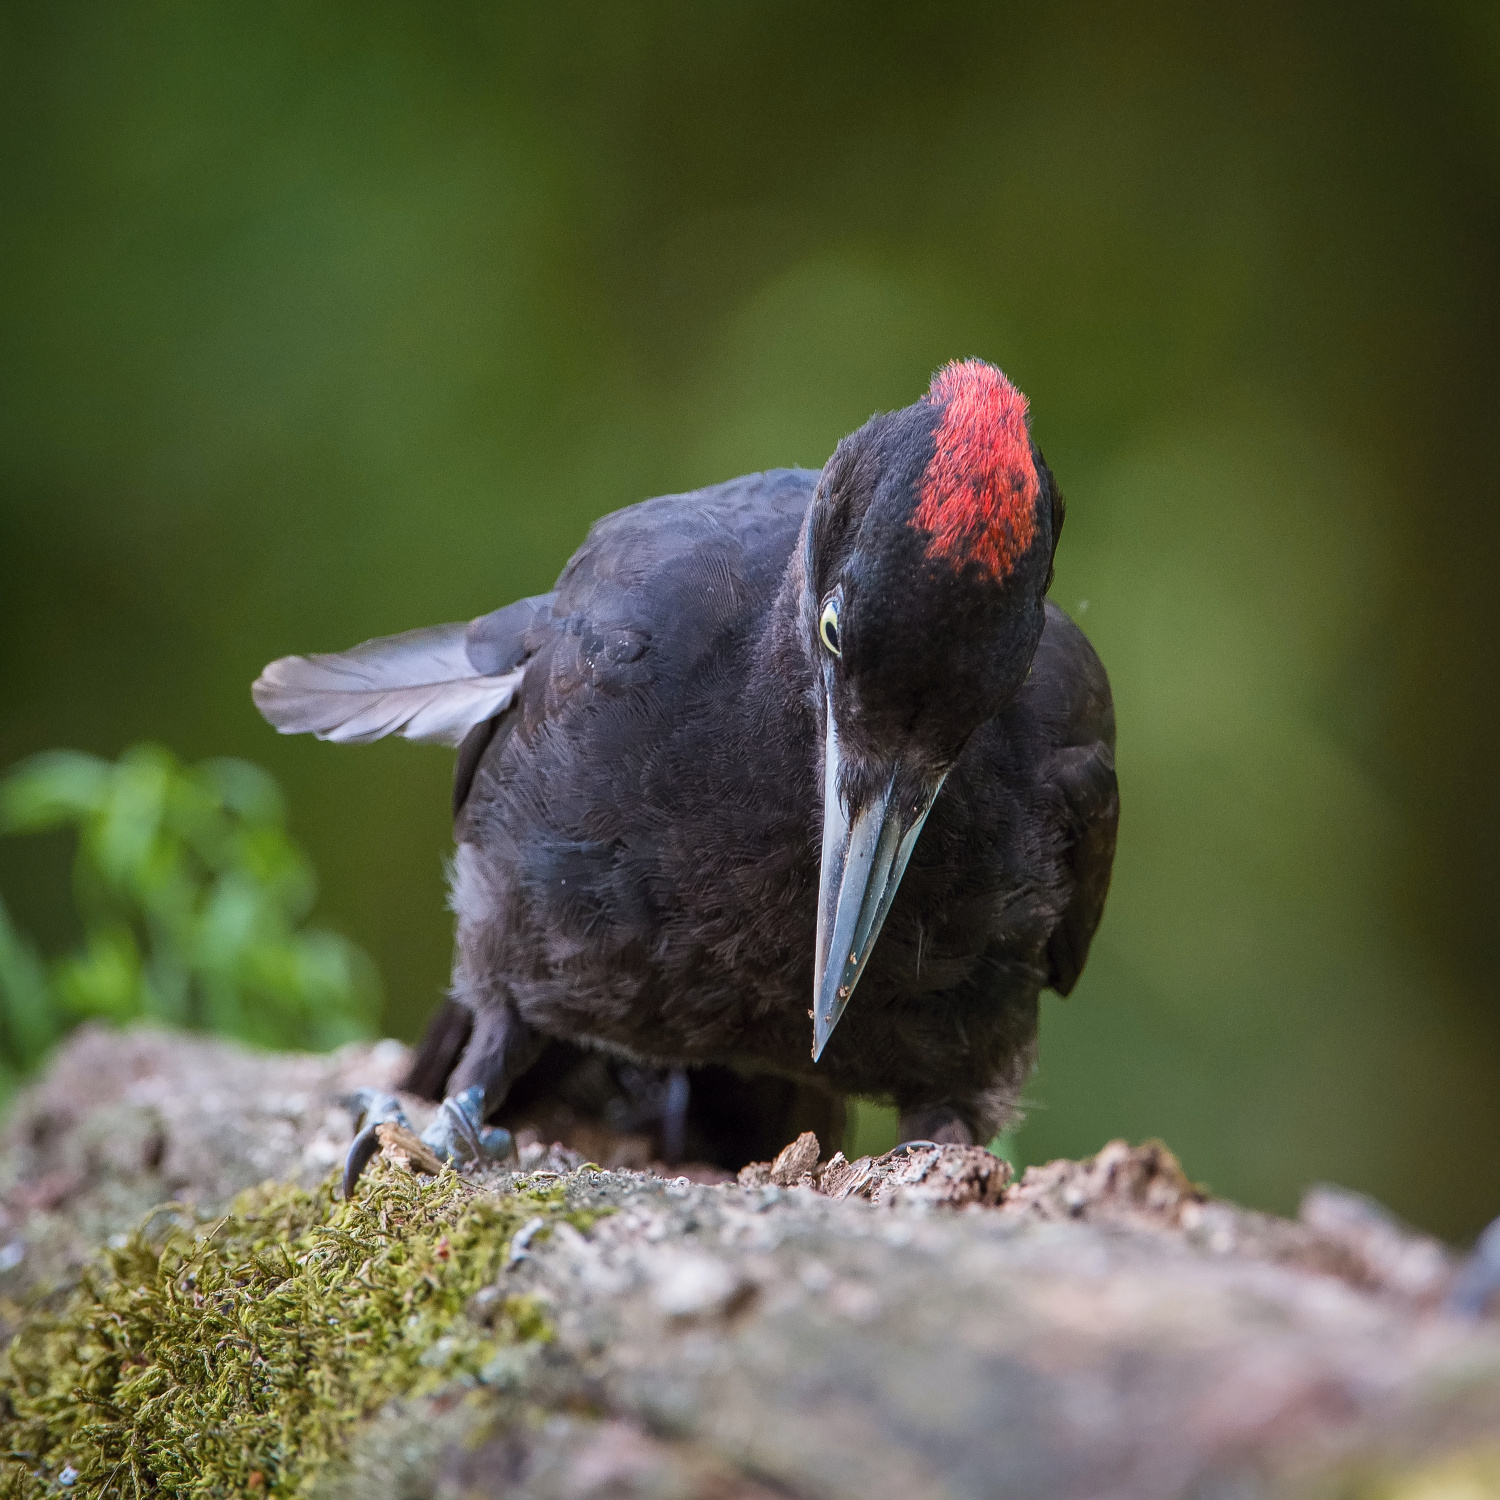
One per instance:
[(862, 866)]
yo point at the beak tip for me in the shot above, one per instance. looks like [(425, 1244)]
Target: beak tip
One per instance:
[(862, 862)]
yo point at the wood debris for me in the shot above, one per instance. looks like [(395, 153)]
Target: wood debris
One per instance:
[(403, 1149)]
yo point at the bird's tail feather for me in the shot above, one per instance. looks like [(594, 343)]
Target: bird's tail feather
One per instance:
[(421, 685)]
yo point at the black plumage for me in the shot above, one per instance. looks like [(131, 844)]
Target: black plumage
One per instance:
[(644, 823)]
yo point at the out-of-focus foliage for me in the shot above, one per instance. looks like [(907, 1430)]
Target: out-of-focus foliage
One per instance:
[(192, 897)]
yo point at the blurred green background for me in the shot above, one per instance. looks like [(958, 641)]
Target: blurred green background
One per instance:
[(323, 322)]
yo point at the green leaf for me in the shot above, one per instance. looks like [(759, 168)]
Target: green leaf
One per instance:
[(192, 894), (55, 790), (123, 840), (26, 1007), (106, 979), (244, 790)]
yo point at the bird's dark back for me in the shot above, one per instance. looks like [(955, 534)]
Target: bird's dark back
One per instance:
[(684, 575)]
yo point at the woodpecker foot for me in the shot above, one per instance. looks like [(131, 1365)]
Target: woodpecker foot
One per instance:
[(458, 1134)]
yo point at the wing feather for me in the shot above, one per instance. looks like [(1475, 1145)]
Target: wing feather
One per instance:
[(420, 684)]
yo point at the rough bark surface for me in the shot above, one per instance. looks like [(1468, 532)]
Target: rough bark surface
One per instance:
[(915, 1326)]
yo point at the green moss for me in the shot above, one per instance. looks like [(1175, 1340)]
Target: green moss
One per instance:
[(236, 1359)]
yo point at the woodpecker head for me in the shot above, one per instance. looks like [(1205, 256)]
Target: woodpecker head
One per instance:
[(926, 556)]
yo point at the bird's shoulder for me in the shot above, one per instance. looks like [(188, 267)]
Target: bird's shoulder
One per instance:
[(1067, 696), (648, 557), (660, 587), (1071, 702), (1063, 716), (1054, 747)]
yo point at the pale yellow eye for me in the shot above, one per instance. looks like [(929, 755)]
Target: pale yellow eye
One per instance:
[(828, 627)]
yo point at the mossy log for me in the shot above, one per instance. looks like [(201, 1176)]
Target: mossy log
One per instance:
[(910, 1327)]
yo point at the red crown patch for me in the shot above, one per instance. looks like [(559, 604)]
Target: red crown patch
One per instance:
[(979, 491)]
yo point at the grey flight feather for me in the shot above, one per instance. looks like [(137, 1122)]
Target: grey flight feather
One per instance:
[(421, 685)]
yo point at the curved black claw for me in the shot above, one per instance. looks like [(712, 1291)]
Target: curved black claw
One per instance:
[(366, 1144), (1478, 1280), (371, 1108)]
